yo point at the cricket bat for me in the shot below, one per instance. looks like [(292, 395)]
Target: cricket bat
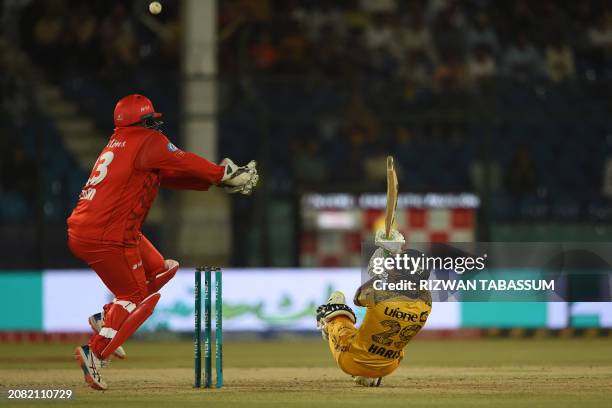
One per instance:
[(391, 196)]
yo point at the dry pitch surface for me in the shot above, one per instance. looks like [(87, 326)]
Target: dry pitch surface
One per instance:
[(480, 373)]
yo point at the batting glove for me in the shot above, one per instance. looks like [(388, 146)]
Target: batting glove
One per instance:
[(393, 244)]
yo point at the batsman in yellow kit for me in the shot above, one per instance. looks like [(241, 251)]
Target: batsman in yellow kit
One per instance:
[(392, 319)]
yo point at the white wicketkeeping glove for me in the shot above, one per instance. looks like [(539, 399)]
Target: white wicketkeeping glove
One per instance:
[(393, 244), (239, 179)]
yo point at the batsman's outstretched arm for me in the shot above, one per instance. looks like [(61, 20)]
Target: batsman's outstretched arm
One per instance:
[(364, 296), (387, 246)]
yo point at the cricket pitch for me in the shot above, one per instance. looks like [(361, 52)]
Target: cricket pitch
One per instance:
[(476, 373)]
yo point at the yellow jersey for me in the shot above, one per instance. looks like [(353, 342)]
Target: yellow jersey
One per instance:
[(391, 321)]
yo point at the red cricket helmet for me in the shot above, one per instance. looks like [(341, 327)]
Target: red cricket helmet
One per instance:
[(133, 109)]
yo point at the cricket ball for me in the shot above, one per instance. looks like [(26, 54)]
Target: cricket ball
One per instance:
[(155, 7)]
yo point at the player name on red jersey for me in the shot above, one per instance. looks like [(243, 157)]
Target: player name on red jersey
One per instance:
[(116, 143)]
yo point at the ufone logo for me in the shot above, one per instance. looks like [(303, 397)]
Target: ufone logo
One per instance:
[(405, 316)]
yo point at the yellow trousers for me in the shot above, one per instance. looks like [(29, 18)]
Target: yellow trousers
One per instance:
[(376, 348), (345, 345)]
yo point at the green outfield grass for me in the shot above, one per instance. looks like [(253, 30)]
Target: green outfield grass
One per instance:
[(480, 373)]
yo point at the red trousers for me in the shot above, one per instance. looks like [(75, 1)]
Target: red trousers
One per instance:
[(124, 270)]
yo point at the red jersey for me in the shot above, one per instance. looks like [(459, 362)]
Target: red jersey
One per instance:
[(125, 180)]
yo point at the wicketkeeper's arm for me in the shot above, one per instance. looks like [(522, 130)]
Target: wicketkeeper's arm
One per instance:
[(177, 168), (175, 181)]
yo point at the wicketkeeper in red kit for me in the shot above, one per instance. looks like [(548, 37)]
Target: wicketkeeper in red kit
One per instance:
[(104, 228)]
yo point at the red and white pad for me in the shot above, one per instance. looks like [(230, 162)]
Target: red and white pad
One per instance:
[(132, 322), (159, 280)]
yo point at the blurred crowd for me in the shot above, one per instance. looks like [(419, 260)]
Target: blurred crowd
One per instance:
[(108, 38), (437, 43), (93, 53), (468, 94), (321, 91)]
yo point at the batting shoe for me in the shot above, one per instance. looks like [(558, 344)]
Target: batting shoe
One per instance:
[(367, 381), (91, 365), (335, 306), (95, 322)]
